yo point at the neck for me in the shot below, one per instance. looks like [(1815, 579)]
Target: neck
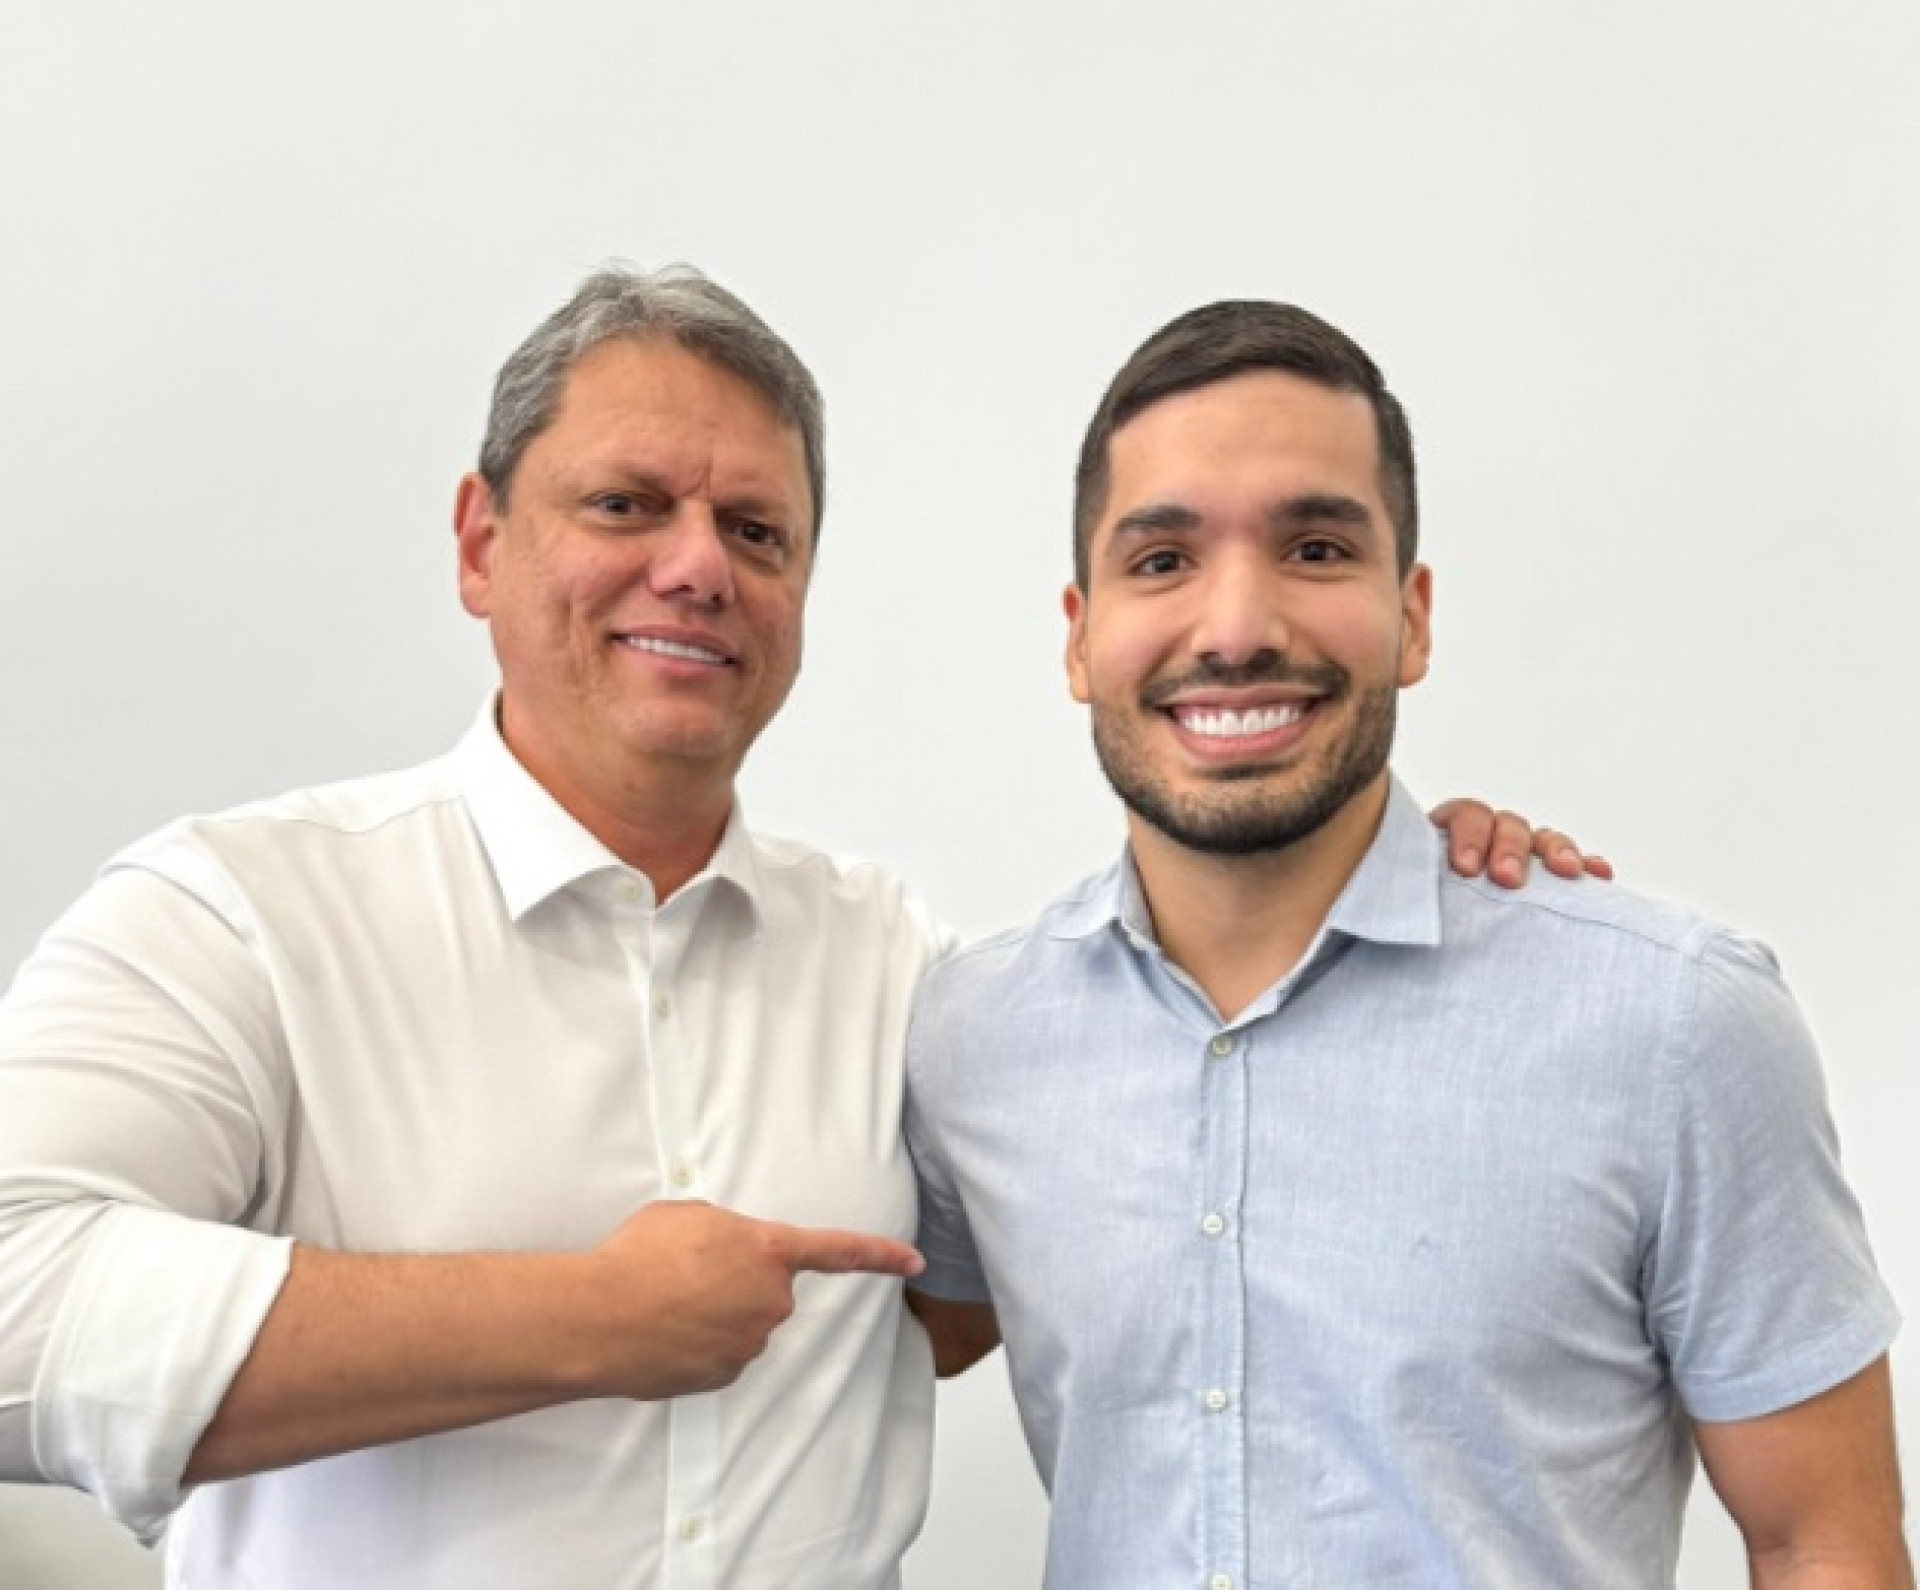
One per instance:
[(1238, 924), (661, 818), (669, 837)]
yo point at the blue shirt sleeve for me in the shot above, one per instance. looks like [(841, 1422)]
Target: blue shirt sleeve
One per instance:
[(953, 1269), (1760, 1287)]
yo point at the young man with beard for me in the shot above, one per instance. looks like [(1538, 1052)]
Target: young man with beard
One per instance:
[(1350, 1223)]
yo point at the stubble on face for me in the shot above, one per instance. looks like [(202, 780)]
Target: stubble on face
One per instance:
[(1251, 809)]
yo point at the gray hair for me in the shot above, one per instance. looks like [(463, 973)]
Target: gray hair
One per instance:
[(678, 303)]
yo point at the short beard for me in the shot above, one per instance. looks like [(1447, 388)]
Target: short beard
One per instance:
[(1238, 816)]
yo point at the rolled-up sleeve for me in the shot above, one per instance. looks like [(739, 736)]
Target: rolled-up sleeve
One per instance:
[(142, 1087)]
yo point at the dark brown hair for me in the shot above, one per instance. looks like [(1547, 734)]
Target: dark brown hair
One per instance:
[(1231, 338)]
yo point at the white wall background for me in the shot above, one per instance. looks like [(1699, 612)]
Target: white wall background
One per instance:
[(1647, 275)]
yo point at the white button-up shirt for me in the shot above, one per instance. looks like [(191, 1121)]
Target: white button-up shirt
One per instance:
[(429, 1012)]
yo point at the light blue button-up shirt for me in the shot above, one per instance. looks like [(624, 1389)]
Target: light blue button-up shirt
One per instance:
[(1409, 1275)]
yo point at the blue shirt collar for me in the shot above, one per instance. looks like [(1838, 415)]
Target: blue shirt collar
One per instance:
[(1393, 896)]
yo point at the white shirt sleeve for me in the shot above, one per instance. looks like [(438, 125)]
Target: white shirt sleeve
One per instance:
[(142, 1091)]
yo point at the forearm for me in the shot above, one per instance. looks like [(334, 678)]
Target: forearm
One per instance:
[(1879, 1564), (360, 1350)]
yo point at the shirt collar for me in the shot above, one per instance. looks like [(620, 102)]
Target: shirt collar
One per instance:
[(537, 848), (1393, 896)]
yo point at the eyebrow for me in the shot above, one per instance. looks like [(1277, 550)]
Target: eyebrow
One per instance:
[(753, 501), (1159, 519), (1168, 518), (1319, 508)]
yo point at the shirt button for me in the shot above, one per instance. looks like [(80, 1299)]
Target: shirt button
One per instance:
[(1221, 1047), (692, 1528), (1216, 1400), (662, 1006), (682, 1173), (627, 890), (1220, 1581), (1213, 1225)]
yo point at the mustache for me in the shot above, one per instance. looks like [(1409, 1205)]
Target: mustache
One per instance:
[(1264, 668)]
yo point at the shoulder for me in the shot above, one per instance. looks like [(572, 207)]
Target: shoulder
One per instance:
[(1593, 932), (1006, 972), (1711, 998), (315, 830), (346, 808), (1582, 911), (833, 887), (1606, 958)]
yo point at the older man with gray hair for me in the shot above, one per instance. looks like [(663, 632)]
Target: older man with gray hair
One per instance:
[(491, 1171)]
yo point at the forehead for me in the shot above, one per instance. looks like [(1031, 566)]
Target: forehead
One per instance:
[(657, 407), (1263, 431)]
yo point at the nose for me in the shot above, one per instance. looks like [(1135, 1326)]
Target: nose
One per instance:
[(1240, 616), (690, 562)]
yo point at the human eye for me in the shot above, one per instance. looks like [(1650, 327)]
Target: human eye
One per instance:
[(621, 505), (1159, 561), (1320, 549), (762, 540)]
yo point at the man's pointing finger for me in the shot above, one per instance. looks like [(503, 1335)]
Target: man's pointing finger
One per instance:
[(847, 1252)]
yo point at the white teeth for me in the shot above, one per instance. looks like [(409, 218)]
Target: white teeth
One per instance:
[(1229, 725), (673, 648)]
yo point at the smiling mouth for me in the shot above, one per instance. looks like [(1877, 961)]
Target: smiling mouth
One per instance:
[(1215, 723), (675, 648)]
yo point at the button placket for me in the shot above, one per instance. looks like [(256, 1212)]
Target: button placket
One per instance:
[(675, 1079), (1221, 1363), (674, 1074)]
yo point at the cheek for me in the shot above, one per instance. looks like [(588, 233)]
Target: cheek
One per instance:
[(779, 623), (1120, 653), (1363, 636), (789, 643), (551, 611), (577, 591)]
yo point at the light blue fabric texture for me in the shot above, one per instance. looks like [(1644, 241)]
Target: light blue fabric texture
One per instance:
[(1409, 1275)]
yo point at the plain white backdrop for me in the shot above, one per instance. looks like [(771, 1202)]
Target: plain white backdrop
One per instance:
[(1644, 274)]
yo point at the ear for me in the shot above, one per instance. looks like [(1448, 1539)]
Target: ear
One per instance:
[(1416, 624), (476, 530), (1073, 602)]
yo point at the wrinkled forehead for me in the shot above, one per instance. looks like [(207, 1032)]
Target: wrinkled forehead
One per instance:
[(656, 402)]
